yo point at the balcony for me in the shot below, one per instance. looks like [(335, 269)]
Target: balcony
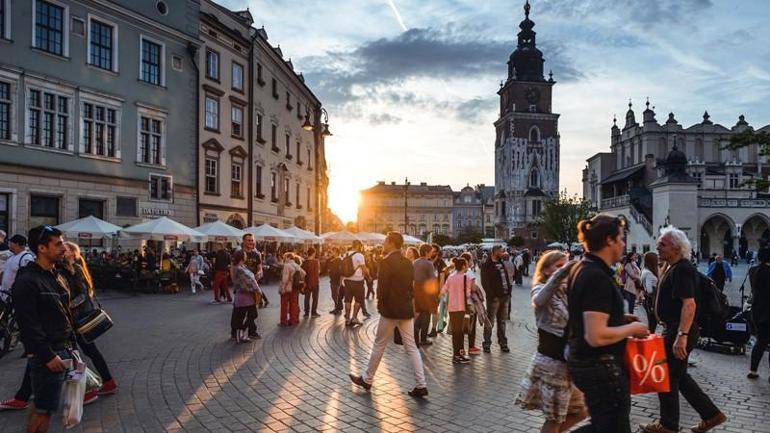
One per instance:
[(642, 220), (613, 202), (748, 203)]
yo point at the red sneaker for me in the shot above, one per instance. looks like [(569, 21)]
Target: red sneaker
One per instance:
[(13, 404), (90, 397), (109, 387), (474, 351)]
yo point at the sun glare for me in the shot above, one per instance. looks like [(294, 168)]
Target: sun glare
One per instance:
[(344, 197)]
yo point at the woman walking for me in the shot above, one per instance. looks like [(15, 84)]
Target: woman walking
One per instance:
[(547, 385), (760, 310), (476, 300), (289, 289), (195, 269), (632, 281), (243, 327), (82, 299), (458, 289), (650, 285)]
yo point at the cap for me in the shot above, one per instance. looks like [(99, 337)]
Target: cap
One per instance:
[(18, 240)]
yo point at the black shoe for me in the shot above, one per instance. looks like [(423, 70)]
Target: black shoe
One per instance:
[(504, 349), (752, 375), (460, 360), (432, 334), (306, 314), (315, 315), (334, 312), (426, 343), (418, 392), (358, 380), (255, 336), (486, 349)]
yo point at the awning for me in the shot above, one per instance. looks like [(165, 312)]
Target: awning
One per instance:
[(623, 174)]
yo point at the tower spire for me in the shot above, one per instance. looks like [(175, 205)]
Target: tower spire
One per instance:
[(526, 9)]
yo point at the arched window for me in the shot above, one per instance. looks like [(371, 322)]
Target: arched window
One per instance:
[(534, 134), (534, 179)]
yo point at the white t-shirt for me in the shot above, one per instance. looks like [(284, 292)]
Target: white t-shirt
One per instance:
[(358, 260), (12, 267)]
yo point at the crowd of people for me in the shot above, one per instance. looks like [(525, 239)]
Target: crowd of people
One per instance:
[(583, 305)]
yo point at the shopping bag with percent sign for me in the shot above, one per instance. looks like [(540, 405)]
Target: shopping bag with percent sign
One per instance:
[(647, 365)]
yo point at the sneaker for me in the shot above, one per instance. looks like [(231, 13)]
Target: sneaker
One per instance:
[(90, 397), (459, 359), (13, 404), (244, 340), (255, 336), (752, 375), (358, 380), (707, 424), (486, 349), (655, 427), (418, 392), (315, 315), (109, 387), (474, 351), (355, 322), (504, 349), (215, 301)]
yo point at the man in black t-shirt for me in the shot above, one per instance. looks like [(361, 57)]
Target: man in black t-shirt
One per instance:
[(253, 262), (675, 307)]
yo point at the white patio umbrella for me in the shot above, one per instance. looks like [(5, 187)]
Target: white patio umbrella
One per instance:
[(163, 229), (343, 237), (557, 245), (89, 227), (411, 240), (304, 235), (371, 238), (268, 233), (218, 231)]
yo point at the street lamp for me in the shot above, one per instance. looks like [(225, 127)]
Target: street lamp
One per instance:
[(307, 126), (406, 205), (321, 131)]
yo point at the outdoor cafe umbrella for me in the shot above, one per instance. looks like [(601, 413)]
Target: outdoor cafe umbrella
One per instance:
[(371, 238), (89, 227), (163, 229), (411, 240), (304, 235), (218, 231), (343, 237), (268, 233)]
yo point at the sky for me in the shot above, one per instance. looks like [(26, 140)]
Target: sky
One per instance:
[(410, 85)]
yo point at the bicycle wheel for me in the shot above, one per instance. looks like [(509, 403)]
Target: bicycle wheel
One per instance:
[(10, 335)]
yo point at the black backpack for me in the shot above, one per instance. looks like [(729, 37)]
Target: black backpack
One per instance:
[(347, 265), (713, 308)]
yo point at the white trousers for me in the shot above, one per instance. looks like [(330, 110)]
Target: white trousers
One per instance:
[(385, 329), (195, 281)]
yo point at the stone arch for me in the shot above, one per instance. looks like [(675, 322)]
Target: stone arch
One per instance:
[(755, 232), (534, 134), (716, 235), (237, 221)]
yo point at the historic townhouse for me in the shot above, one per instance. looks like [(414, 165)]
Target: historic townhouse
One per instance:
[(422, 208), (96, 103)]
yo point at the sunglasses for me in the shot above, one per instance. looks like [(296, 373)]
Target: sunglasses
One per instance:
[(43, 233)]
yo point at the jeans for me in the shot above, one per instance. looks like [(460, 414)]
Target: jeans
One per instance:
[(649, 308), (46, 385), (25, 390), (760, 346), (631, 299), (682, 382), (604, 381), (421, 324), (290, 308), (91, 351), (385, 329), (335, 284), (314, 294), (456, 319), (497, 310)]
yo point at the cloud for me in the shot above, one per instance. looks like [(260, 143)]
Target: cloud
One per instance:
[(473, 110), (383, 118), (452, 52), (649, 13)]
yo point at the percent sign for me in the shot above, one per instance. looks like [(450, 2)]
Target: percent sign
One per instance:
[(650, 368)]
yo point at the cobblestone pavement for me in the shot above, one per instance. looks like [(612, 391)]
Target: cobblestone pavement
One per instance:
[(178, 372)]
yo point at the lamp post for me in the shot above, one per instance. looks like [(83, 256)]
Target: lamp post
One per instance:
[(406, 205), (320, 132)]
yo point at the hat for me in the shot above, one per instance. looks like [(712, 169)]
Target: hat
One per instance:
[(18, 240)]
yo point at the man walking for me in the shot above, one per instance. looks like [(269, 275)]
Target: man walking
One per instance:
[(44, 323), (354, 284), (675, 306), (221, 269), (495, 282), (21, 257), (312, 269), (720, 271), (394, 302), (335, 280), (425, 295), (436, 256)]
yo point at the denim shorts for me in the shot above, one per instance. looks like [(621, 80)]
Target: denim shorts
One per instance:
[(47, 385)]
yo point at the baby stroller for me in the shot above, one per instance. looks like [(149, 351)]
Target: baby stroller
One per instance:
[(732, 335)]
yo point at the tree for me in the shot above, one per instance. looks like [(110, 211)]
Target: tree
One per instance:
[(561, 215), (745, 138), (516, 241), (441, 239), (468, 237)]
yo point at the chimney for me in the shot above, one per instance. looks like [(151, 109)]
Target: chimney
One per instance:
[(423, 184), (380, 182)]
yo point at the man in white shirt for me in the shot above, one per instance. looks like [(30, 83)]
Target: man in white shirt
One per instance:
[(21, 257), (354, 284)]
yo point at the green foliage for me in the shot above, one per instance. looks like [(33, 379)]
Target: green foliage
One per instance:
[(468, 237), (516, 241), (561, 215), (745, 138), (442, 239)]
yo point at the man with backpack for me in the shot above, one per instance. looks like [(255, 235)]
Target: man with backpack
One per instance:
[(354, 273), (21, 257), (676, 306), (720, 271)]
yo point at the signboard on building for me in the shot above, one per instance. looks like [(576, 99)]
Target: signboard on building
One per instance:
[(210, 218), (155, 212)]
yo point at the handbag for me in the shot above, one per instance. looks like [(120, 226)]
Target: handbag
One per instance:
[(297, 284), (647, 365), (92, 324), (469, 310)]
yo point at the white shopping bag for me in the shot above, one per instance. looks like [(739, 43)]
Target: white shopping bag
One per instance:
[(74, 392)]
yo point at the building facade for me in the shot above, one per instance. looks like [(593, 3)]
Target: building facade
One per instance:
[(527, 141), (420, 208), (659, 174), (473, 211), (96, 103)]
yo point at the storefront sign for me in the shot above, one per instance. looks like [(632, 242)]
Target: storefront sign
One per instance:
[(83, 235), (210, 218), (154, 211), (169, 238)]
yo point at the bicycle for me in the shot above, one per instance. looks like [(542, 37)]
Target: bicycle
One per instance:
[(9, 328)]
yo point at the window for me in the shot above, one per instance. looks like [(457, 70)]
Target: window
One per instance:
[(211, 175), (102, 45), (309, 160), (260, 139), (152, 139), (48, 119), (5, 211), (299, 205), (212, 113), (288, 146), (699, 177), (151, 62), (237, 78), (50, 27), (5, 107), (161, 187), (286, 191), (258, 176), (299, 153), (176, 63), (212, 65), (260, 80), (308, 198), (126, 207), (533, 235), (273, 191), (236, 114), (534, 134), (88, 207), (236, 177), (43, 210), (5, 22), (288, 101), (534, 179), (537, 207), (734, 180), (274, 138), (275, 88), (100, 130)]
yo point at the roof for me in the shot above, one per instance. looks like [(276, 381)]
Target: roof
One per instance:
[(413, 189), (624, 173)]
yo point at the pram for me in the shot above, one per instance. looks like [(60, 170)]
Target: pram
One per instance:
[(732, 335)]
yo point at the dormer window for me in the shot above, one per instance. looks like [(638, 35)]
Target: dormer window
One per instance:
[(534, 179)]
